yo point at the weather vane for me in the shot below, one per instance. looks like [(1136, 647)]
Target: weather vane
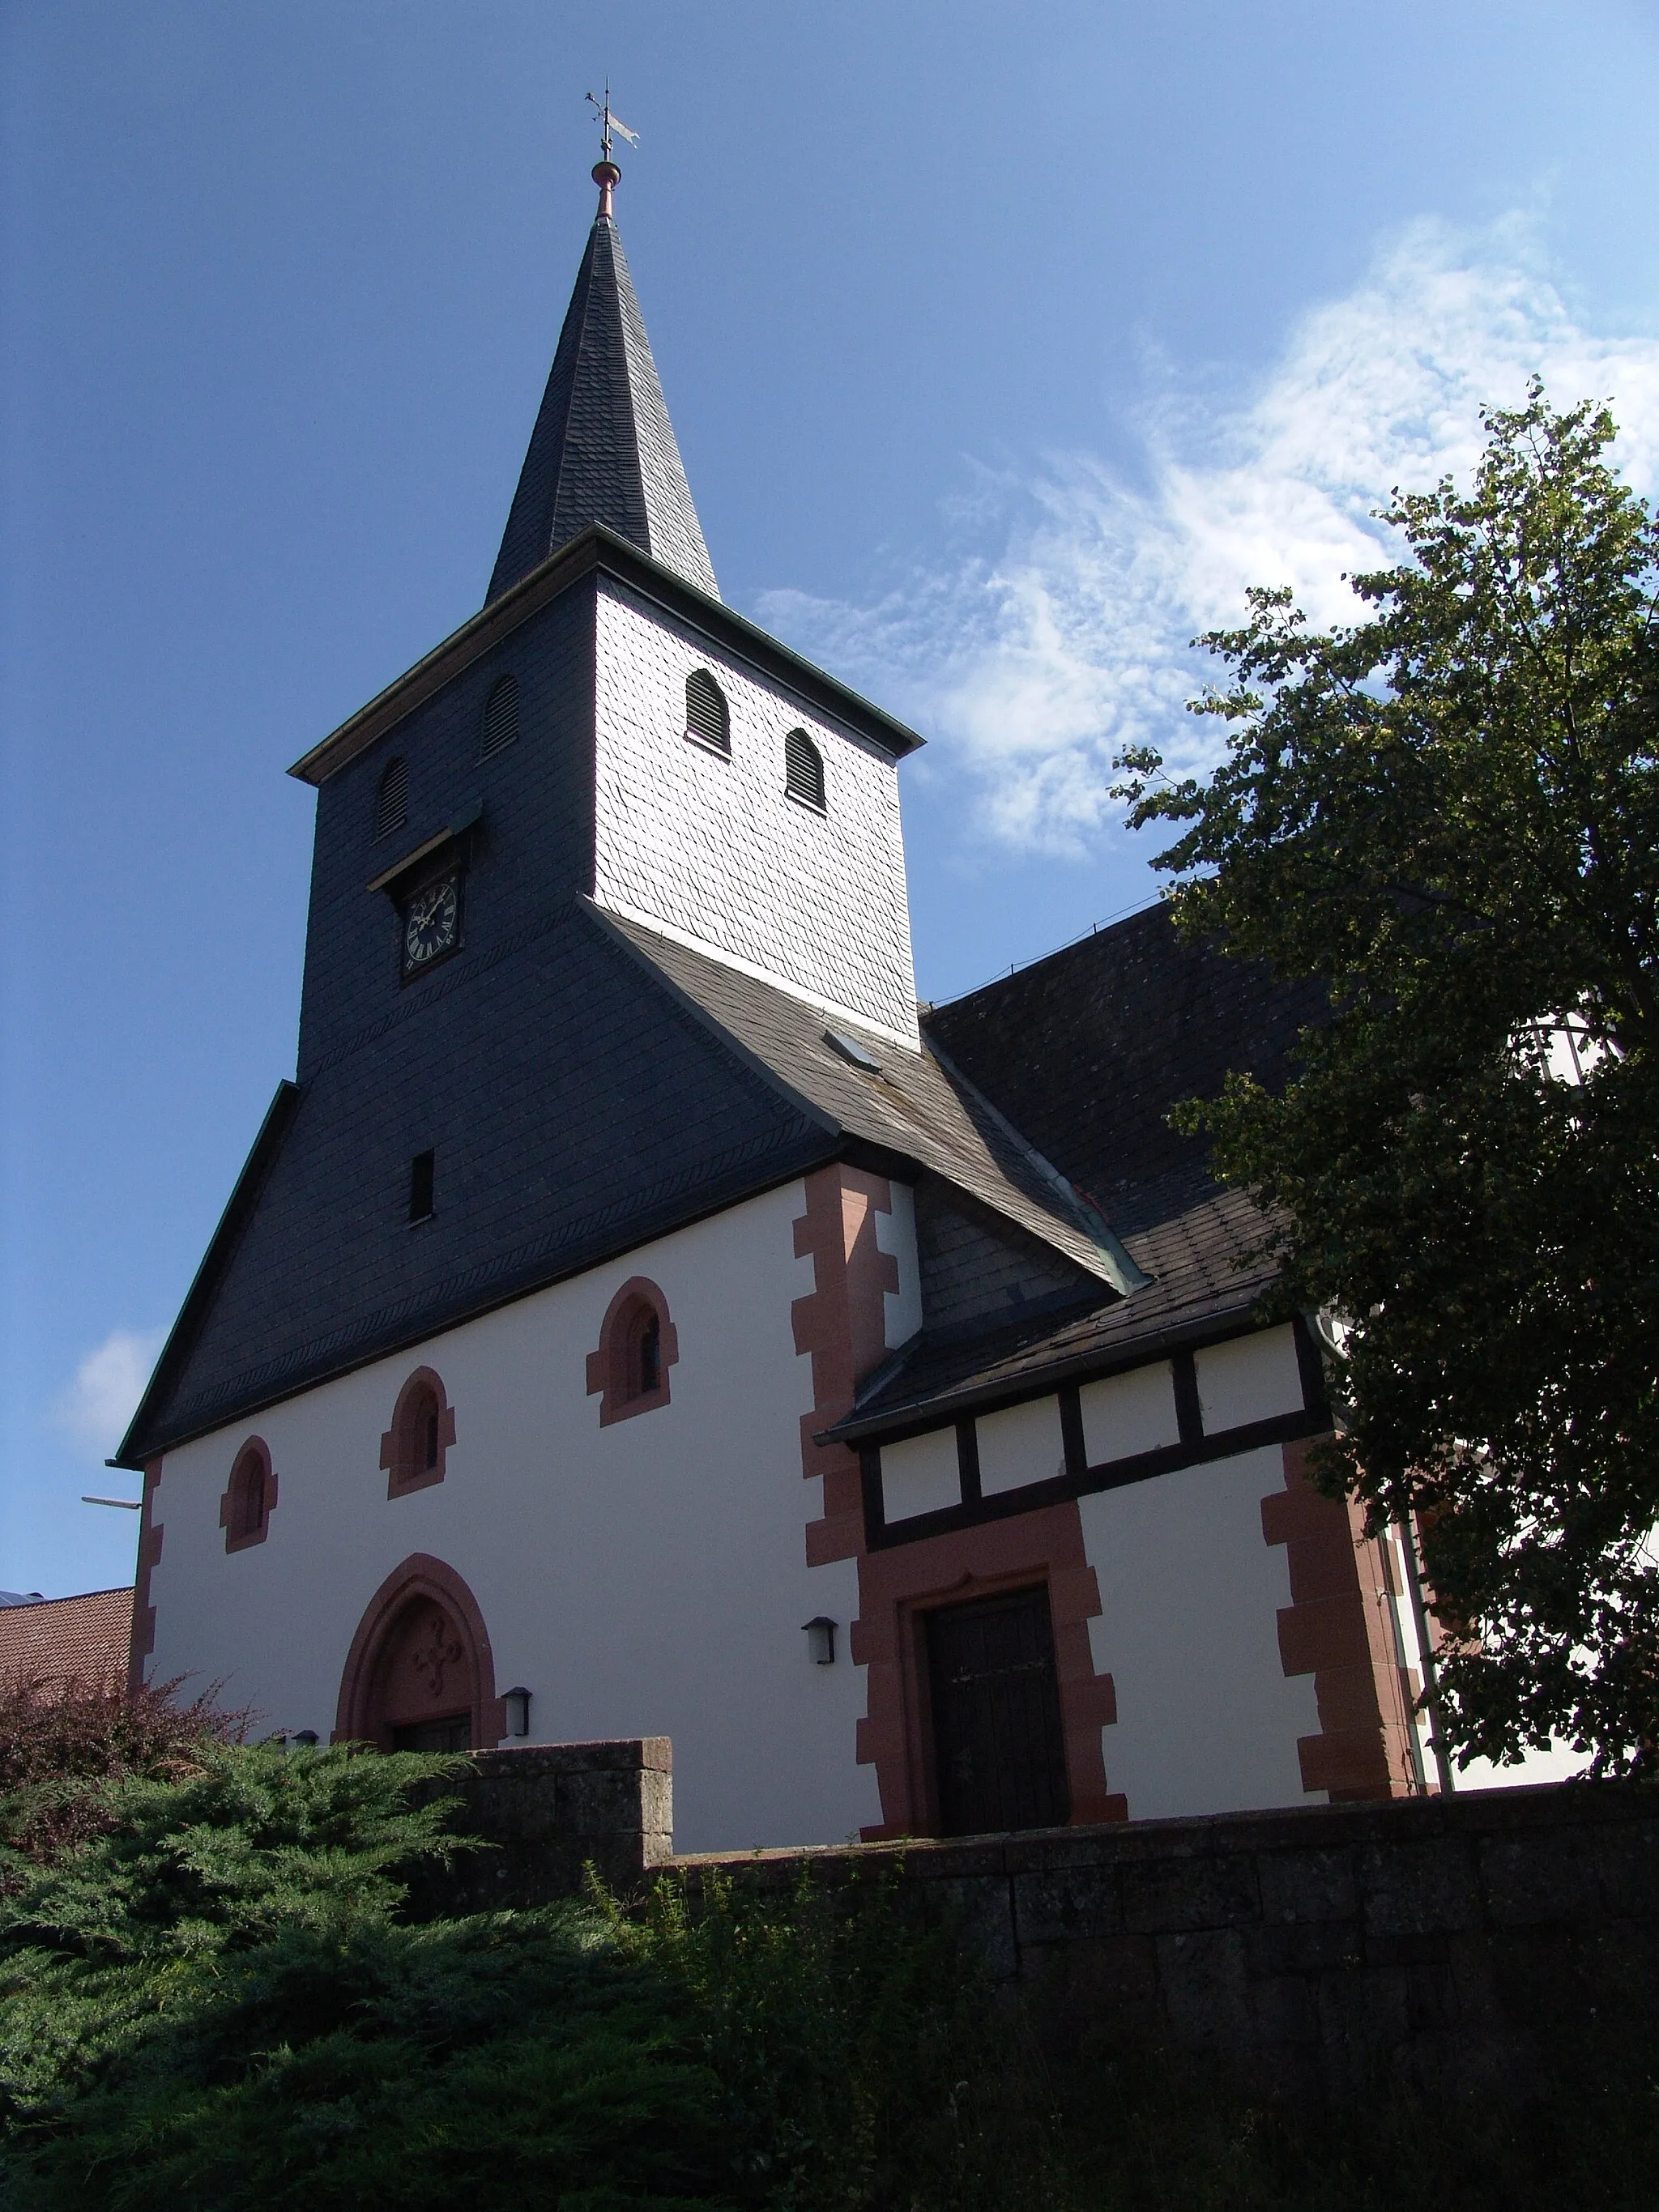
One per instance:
[(608, 122)]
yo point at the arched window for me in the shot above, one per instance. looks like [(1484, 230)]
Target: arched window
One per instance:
[(392, 806), (500, 717), (803, 769), (414, 1449), (638, 1345), (245, 1509), (707, 715)]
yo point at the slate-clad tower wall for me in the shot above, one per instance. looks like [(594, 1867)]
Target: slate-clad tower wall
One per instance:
[(714, 847), (531, 849)]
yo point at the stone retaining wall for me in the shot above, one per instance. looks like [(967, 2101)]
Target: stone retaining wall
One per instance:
[(550, 1810), (1448, 1942)]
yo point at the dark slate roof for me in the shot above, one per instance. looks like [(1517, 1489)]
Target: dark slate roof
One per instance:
[(602, 449), (577, 1109), (592, 1088), (1086, 1051), (913, 1109), (1205, 1279)]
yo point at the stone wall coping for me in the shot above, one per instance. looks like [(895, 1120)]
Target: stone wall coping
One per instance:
[(654, 1753), (1470, 1815)]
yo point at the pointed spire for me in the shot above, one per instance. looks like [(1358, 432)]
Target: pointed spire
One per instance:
[(602, 449)]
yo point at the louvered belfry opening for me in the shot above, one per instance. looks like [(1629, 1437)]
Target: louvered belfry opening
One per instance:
[(500, 717), (392, 806), (707, 715), (803, 769)]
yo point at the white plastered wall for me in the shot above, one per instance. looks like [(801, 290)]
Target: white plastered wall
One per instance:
[(712, 850), (895, 1235), (1020, 1444), (1207, 1720), (646, 1578)]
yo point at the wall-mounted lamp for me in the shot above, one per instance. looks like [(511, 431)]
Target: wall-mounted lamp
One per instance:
[(518, 1710), (820, 1640)]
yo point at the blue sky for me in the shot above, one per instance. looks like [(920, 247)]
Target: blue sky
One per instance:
[(1005, 347)]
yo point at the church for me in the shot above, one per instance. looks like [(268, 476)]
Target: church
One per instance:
[(639, 1315)]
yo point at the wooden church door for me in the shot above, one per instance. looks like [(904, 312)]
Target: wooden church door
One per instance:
[(425, 1685), (996, 1716)]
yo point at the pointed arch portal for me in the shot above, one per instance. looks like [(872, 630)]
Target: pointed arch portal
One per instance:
[(420, 1674)]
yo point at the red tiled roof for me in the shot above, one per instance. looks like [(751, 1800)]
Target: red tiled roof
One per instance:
[(86, 1636)]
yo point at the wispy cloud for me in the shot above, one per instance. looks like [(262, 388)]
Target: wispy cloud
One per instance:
[(1059, 628), (96, 1407)]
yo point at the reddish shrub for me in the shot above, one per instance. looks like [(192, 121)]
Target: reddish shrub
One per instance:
[(60, 1741)]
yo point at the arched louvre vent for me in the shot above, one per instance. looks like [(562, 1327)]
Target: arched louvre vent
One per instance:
[(705, 713), (500, 716), (803, 769), (391, 808)]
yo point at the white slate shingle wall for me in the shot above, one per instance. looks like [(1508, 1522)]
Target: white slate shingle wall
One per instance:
[(713, 848)]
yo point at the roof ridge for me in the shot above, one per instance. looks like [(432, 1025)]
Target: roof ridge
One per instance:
[(1126, 1276), (902, 1124), (564, 442)]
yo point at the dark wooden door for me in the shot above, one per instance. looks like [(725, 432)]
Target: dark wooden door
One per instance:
[(996, 1716), (453, 1732)]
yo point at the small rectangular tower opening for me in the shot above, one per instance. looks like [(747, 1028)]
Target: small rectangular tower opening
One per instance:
[(420, 1169)]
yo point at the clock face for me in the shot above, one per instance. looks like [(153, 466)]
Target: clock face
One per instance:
[(432, 923)]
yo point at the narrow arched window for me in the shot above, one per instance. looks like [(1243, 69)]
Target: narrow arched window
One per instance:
[(647, 1360), (803, 769), (245, 1509), (707, 715), (415, 1448), (392, 806), (638, 1345), (500, 717)]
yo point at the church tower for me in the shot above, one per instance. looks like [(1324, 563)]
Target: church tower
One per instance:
[(628, 1284)]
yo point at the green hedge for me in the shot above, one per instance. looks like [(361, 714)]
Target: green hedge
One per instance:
[(211, 1998)]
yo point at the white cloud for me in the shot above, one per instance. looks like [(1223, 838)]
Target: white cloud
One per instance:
[(108, 1382), (1034, 657)]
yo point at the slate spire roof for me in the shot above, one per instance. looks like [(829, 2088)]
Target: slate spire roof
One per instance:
[(602, 449)]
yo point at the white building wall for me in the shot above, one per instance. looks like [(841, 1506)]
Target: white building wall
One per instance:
[(646, 1578), (895, 1235), (1207, 1720), (1020, 1444), (1249, 1378), (712, 850), (1129, 1414), (920, 1475)]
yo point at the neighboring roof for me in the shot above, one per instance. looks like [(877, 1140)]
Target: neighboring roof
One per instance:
[(913, 1109), (600, 549), (1085, 1052), (602, 449), (1206, 1283), (55, 1639)]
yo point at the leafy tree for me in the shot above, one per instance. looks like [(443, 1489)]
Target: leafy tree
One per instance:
[(1449, 811)]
